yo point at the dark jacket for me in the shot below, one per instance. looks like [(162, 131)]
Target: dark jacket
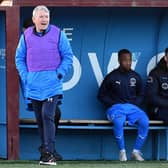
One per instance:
[(157, 92), (121, 87)]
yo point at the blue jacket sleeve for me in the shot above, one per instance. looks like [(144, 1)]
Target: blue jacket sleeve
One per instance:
[(66, 55), (20, 59), (152, 91)]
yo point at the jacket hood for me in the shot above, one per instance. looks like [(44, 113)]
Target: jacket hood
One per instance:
[(162, 65)]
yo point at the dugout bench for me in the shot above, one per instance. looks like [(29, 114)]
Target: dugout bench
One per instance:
[(154, 125)]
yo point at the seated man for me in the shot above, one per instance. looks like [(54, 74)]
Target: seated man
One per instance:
[(157, 90), (121, 92)]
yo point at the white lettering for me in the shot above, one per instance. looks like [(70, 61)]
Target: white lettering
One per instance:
[(96, 67), (113, 63), (77, 71), (68, 32)]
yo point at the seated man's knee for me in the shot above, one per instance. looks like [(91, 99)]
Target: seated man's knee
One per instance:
[(144, 121), (118, 123), (143, 127)]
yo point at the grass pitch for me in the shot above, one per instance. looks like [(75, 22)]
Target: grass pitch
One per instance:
[(85, 164)]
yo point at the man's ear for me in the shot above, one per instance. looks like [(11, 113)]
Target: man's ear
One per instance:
[(33, 19)]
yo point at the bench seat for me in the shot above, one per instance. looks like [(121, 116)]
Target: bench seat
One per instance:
[(79, 124)]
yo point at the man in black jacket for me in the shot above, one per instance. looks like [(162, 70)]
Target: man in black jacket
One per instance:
[(157, 90), (122, 92)]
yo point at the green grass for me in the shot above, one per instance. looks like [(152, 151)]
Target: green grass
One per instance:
[(85, 164)]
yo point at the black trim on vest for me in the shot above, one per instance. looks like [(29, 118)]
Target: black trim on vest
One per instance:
[(43, 32)]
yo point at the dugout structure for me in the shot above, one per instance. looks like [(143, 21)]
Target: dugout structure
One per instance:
[(9, 120)]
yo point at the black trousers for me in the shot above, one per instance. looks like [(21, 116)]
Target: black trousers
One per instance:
[(47, 116)]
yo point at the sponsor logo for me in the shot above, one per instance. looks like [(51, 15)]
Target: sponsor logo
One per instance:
[(150, 79), (132, 82), (165, 86), (117, 82)]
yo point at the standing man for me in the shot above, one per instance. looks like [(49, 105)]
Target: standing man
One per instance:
[(121, 92), (157, 90), (43, 57), (26, 24)]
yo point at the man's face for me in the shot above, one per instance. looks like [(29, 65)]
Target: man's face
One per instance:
[(125, 61), (41, 20), (166, 59)]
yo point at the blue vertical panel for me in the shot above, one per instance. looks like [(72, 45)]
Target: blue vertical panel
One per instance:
[(3, 138), (163, 40), (92, 60)]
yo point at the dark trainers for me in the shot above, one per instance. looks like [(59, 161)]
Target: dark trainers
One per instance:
[(47, 159), (55, 154)]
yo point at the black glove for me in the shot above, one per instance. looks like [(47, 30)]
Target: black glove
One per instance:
[(59, 76)]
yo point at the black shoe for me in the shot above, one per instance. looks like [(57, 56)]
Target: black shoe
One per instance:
[(57, 156), (47, 159)]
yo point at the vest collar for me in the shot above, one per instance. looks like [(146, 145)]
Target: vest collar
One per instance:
[(40, 34)]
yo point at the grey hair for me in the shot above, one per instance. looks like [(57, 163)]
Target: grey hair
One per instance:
[(39, 8)]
